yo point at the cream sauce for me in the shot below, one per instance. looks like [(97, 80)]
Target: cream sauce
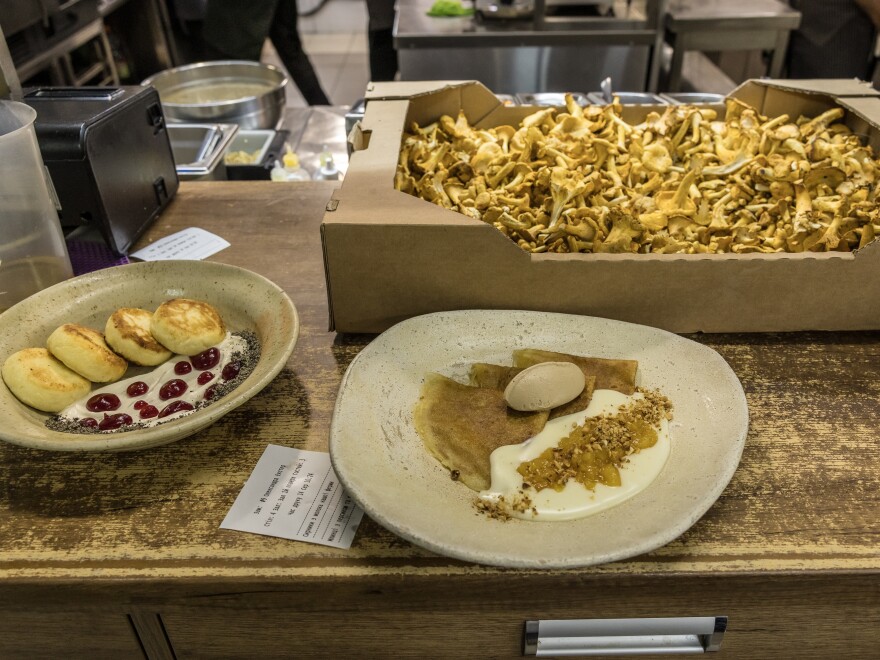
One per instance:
[(574, 500), (194, 394)]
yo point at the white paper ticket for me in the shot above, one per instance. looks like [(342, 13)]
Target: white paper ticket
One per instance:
[(295, 494), (193, 244)]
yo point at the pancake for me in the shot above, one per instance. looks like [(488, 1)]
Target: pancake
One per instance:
[(40, 381), (128, 333), (85, 351), (497, 377), (187, 326), (618, 375), (462, 425)]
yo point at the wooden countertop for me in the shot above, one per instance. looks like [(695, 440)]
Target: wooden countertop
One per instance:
[(145, 525)]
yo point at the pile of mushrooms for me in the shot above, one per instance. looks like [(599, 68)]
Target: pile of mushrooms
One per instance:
[(581, 179)]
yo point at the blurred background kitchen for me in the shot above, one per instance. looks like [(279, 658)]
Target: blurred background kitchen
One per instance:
[(648, 51)]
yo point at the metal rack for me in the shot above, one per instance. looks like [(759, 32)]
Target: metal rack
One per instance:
[(100, 69), (68, 39), (546, 51)]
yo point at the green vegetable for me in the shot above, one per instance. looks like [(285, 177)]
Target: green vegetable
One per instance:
[(449, 8)]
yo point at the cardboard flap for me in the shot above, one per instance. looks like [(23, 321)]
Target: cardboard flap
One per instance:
[(391, 91), (835, 88), (772, 100), (472, 97), (471, 92), (867, 109)]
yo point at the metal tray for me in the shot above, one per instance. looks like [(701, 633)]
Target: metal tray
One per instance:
[(693, 98), (629, 98), (198, 149), (550, 99)]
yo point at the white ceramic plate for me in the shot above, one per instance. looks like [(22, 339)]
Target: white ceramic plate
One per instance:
[(246, 301), (380, 459)]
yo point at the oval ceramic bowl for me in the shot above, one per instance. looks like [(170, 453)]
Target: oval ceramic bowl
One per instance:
[(380, 459), (246, 301)]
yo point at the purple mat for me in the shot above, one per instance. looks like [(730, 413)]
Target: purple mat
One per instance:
[(88, 256)]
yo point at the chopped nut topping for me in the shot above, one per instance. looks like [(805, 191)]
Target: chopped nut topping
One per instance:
[(501, 508), (594, 451)]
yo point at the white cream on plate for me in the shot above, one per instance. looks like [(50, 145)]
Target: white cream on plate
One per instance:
[(574, 500), (193, 392)]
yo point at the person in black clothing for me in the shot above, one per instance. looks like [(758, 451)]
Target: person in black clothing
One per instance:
[(236, 29), (383, 56), (835, 40)]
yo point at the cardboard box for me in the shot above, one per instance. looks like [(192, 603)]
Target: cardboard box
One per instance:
[(390, 256)]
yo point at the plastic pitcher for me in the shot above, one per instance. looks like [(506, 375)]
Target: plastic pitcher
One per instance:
[(33, 254)]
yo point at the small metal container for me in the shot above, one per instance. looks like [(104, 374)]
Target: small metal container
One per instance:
[(254, 143), (550, 99), (264, 147), (249, 94), (199, 150), (629, 98), (693, 98)]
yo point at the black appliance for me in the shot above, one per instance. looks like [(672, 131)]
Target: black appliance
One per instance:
[(108, 152)]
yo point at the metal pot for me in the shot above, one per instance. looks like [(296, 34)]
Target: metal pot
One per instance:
[(249, 94)]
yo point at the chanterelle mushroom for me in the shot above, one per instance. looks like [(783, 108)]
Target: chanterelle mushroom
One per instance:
[(564, 187), (681, 180), (625, 230)]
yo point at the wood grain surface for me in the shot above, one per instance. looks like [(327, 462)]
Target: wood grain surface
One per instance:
[(790, 551)]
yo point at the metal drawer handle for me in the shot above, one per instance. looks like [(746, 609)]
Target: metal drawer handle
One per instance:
[(586, 637)]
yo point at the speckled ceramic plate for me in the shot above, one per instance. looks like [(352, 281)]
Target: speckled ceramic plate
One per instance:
[(246, 301), (380, 459)]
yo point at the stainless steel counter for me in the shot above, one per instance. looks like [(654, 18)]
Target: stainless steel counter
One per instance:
[(545, 53), (720, 25), (315, 129), (310, 132)]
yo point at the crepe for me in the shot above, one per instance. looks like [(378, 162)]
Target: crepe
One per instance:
[(462, 425), (619, 375), (495, 376)]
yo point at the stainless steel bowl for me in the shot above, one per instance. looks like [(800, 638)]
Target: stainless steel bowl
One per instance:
[(249, 94)]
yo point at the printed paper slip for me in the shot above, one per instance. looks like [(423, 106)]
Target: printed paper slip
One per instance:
[(193, 244), (294, 494)]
